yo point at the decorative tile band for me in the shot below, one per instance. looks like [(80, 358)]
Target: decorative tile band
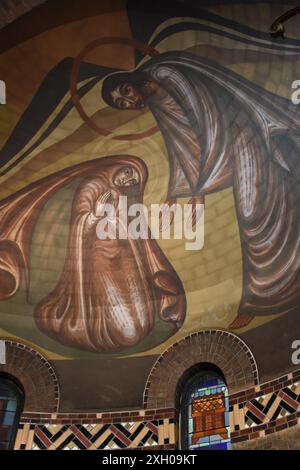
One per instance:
[(267, 387), (99, 418), (130, 435), (253, 413), (274, 408)]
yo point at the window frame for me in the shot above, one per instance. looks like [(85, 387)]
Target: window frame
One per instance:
[(19, 393), (195, 381)]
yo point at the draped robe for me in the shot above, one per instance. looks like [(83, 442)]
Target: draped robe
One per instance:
[(109, 291), (221, 130)]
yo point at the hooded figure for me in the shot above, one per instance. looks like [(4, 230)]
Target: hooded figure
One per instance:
[(111, 292), (222, 130)]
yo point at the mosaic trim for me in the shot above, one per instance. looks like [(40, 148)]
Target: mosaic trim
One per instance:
[(92, 418), (264, 388), (253, 413), (130, 435), (276, 406)]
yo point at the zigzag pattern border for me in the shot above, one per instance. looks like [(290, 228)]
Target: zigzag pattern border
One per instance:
[(95, 436), (253, 413)]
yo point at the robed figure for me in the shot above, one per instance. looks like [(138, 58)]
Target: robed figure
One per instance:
[(112, 291), (222, 130)]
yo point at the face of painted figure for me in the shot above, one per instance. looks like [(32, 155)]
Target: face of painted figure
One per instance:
[(126, 96), (129, 96), (127, 176)]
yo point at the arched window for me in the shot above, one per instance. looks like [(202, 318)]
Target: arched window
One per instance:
[(204, 411), (11, 405)]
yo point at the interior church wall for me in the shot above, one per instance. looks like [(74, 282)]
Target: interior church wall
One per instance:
[(64, 143)]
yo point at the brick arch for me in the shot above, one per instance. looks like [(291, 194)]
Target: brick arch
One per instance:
[(36, 376), (220, 348)]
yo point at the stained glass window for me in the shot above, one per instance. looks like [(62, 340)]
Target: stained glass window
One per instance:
[(11, 402), (205, 417)]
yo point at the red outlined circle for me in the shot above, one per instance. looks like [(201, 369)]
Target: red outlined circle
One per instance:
[(74, 77)]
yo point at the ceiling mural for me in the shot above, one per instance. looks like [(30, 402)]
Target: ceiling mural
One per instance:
[(183, 109)]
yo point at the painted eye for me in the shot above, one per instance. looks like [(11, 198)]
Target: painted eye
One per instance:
[(122, 104), (126, 90), (128, 171)]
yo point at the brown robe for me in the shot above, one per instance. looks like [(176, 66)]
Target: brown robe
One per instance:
[(110, 290)]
